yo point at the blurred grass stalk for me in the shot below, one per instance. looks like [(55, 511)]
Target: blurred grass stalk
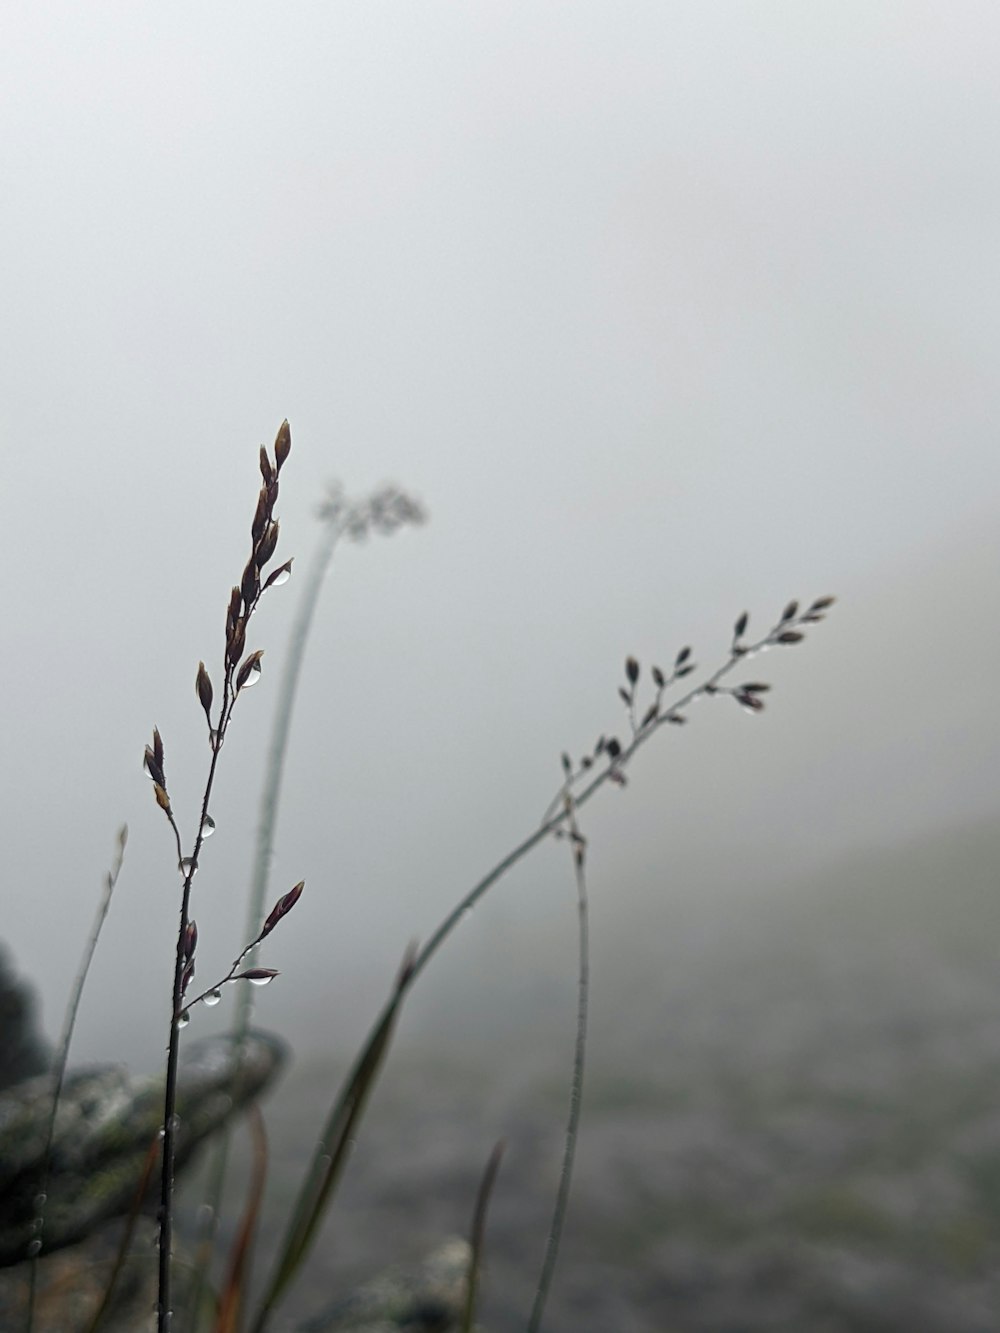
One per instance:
[(322, 1174), (59, 1069), (384, 511)]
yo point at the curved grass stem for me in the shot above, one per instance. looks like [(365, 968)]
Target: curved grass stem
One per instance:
[(320, 1178)]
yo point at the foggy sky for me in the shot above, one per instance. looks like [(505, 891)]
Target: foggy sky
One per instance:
[(664, 312)]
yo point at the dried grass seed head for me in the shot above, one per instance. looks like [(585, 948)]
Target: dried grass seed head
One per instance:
[(282, 445)]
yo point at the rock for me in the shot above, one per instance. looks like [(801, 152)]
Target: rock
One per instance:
[(426, 1298), (422, 1298), (23, 1050), (104, 1127), (72, 1282)]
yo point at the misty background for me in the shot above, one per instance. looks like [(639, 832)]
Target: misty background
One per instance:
[(662, 316), (663, 311)]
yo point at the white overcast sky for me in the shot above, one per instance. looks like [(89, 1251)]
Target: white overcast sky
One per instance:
[(663, 310)]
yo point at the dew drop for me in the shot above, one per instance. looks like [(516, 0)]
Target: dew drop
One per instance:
[(187, 867), (212, 998), (207, 826), (184, 1020), (281, 578), (40, 1201), (34, 1248), (252, 678), (175, 1123), (260, 981)]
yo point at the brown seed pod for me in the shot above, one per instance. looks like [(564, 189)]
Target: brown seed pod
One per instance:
[(203, 688), (153, 768), (250, 583), (190, 939), (267, 543), (282, 907), (282, 444), (261, 515), (279, 575), (237, 640), (233, 611)]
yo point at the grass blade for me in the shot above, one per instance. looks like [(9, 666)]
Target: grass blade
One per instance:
[(328, 1161), (478, 1232), (234, 1290), (59, 1070)]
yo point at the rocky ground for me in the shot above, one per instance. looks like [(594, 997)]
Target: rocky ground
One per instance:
[(791, 1118), (794, 1127)]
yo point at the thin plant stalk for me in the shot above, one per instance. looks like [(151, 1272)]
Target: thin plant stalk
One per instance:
[(313, 1197), (263, 854), (579, 848), (62, 1057), (277, 751), (478, 1235), (181, 960), (339, 517), (237, 675)]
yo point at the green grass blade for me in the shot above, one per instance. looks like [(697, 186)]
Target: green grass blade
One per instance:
[(332, 1149)]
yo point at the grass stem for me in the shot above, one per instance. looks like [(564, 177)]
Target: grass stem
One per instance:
[(62, 1056)]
